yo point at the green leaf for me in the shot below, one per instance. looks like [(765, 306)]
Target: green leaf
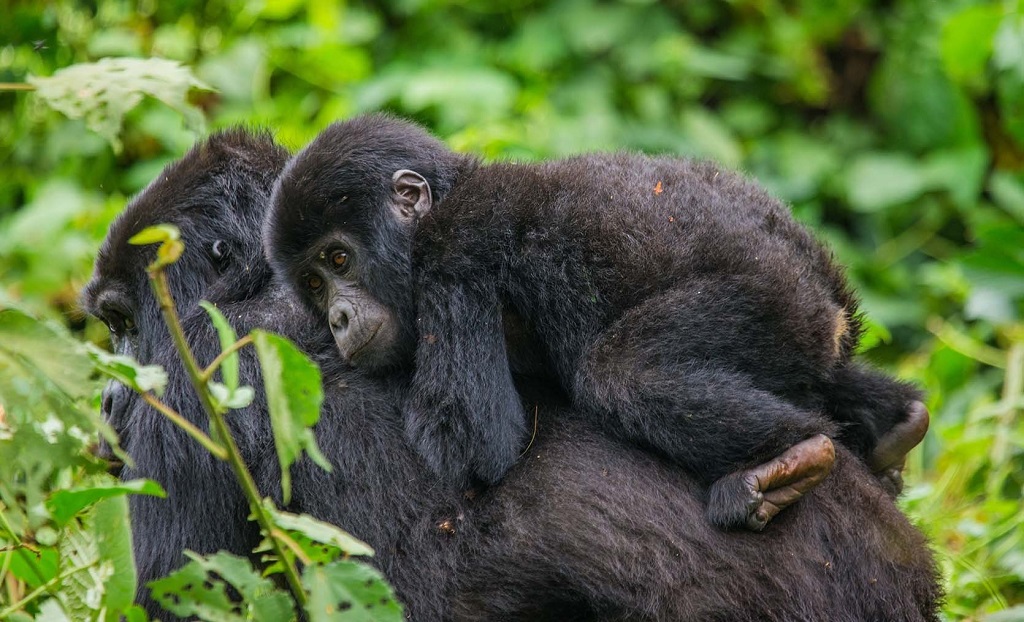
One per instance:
[(229, 368), (156, 234), (879, 180), (294, 394), (199, 589), (967, 38), (109, 519), (64, 504), (349, 591), (35, 347), (320, 532), (226, 398), (128, 371), (103, 92), (46, 562), (168, 253), (1007, 190)]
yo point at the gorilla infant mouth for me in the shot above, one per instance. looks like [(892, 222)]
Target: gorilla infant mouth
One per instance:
[(366, 342)]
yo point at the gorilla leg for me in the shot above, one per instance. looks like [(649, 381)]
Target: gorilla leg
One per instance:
[(882, 419), (583, 528)]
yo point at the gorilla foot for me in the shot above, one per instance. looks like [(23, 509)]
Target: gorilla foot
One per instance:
[(753, 497), (890, 455)]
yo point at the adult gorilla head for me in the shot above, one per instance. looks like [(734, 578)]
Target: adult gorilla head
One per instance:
[(583, 528), (216, 195)]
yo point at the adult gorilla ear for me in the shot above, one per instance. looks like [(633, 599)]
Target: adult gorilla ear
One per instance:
[(411, 195)]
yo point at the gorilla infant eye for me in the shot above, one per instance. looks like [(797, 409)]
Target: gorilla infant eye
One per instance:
[(339, 259), (314, 282)]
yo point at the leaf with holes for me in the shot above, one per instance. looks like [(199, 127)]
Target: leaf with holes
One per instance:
[(200, 589), (103, 92), (349, 591), (322, 542)]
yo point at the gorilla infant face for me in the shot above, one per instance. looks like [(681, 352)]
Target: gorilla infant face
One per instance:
[(366, 330)]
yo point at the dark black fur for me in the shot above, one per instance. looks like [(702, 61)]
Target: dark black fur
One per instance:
[(582, 528), (679, 304)]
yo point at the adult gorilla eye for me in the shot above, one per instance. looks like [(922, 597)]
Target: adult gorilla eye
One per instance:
[(339, 259), (314, 282)]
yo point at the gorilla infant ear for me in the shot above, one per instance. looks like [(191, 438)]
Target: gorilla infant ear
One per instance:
[(412, 195)]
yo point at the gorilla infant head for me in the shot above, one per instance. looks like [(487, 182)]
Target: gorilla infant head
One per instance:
[(360, 278)]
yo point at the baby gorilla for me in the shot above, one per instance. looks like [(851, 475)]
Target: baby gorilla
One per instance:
[(681, 306)]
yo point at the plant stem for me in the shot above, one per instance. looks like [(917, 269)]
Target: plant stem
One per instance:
[(1013, 389), (217, 362), (16, 86), (187, 426), (43, 588), (234, 457), (23, 551)]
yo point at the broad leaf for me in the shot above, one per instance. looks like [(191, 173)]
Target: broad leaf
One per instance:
[(199, 589), (128, 371), (319, 533), (349, 591), (103, 92), (63, 504), (294, 394)]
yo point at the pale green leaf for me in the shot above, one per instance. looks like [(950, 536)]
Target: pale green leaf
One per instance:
[(320, 532), (164, 232), (230, 399), (128, 371), (229, 368), (102, 93)]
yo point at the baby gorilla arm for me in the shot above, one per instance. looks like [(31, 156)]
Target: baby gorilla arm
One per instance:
[(464, 414)]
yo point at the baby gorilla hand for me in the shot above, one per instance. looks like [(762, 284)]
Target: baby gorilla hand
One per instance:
[(753, 497), (471, 439)]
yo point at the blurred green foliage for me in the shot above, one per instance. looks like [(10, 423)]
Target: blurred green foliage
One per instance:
[(895, 129)]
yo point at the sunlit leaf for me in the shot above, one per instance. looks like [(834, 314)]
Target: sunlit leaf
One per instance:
[(320, 532), (103, 92), (128, 371), (157, 233), (229, 368)]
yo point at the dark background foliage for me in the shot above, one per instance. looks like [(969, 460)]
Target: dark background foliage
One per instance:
[(895, 129)]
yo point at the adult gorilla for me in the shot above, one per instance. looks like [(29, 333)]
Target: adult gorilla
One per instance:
[(582, 528)]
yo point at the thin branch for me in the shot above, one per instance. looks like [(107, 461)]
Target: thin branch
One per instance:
[(44, 588), (158, 280), (24, 550), (187, 426), (293, 545), (16, 86), (217, 362), (959, 342)]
